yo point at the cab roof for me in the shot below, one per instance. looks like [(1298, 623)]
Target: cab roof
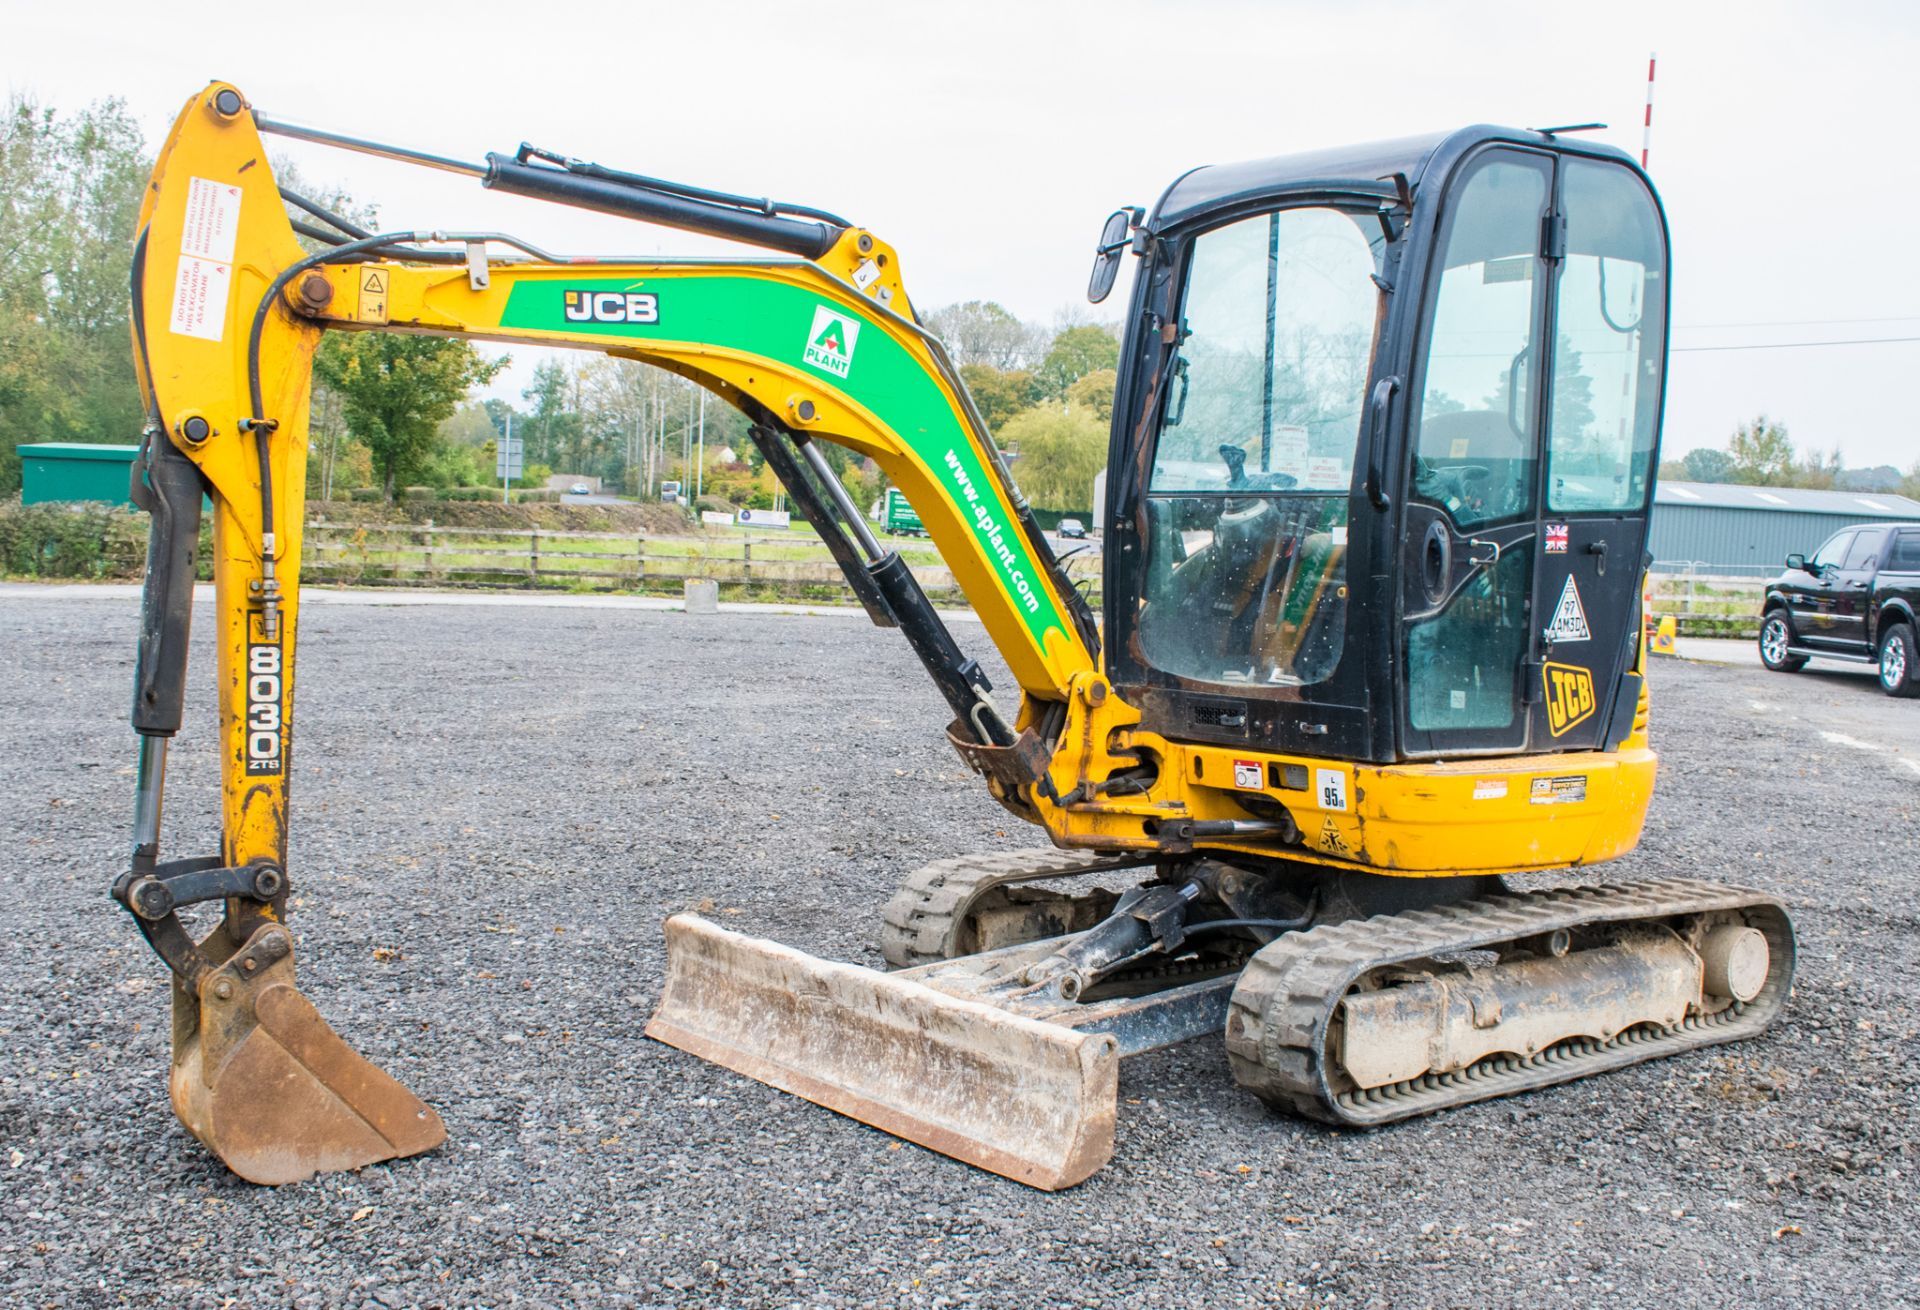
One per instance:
[(1365, 169)]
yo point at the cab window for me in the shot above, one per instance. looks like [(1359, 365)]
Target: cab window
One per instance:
[(1830, 555), (1605, 413), (1865, 552), (1906, 553), (1246, 505)]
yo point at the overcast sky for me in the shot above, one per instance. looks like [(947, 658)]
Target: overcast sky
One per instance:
[(987, 140)]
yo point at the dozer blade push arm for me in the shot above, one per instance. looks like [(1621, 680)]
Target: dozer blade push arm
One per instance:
[(228, 312)]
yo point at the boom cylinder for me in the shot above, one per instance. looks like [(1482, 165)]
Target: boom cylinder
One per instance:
[(809, 240)]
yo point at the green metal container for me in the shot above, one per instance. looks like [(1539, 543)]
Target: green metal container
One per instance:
[(73, 470)]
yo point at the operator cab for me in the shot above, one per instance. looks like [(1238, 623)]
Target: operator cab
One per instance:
[(1383, 449)]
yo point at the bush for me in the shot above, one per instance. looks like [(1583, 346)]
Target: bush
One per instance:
[(718, 504), (72, 541), (420, 493), (367, 495)]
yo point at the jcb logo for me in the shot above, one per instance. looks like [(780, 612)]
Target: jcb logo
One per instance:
[(265, 730), (612, 307), (1569, 697)]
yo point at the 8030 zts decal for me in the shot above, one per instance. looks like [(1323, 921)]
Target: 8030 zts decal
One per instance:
[(266, 730)]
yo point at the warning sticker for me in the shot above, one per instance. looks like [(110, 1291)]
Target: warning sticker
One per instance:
[(1568, 790), (1569, 616), (200, 288), (373, 296), (1331, 784), (1247, 774), (212, 220), (204, 278), (1489, 789), (1331, 840)]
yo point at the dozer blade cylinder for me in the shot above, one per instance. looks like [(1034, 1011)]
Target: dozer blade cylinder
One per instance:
[(265, 1084), (1030, 1100)]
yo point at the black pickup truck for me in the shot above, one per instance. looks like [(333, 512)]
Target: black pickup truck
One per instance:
[(1856, 599)]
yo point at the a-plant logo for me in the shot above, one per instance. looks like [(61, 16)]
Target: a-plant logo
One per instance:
[(1570, 699), (830, 343), (612, 307)]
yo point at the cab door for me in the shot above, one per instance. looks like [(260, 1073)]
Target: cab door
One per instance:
[(1852, 586), (1533, 428)]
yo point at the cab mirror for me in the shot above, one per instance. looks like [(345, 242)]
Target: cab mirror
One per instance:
[(1106, 256), (1797, 562)]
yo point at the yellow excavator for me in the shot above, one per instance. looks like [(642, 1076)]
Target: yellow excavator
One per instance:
[(1382, 454)]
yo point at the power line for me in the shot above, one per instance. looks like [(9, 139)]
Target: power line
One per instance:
[(1798, 322), (1798, 345)]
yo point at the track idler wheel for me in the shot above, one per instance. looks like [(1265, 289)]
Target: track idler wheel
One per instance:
[(265, 1084)]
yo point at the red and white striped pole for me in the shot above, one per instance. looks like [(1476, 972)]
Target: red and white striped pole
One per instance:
[(1646, 131)]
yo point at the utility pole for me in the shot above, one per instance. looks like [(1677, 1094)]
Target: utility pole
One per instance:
[(700, 473)]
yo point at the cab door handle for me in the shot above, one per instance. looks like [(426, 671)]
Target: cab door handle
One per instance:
[(1377, 413)]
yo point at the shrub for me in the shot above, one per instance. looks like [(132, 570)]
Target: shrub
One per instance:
[(419, 493), (72, 541), (367, 495)]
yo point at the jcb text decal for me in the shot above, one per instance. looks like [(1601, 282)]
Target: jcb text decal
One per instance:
[(612, 307), (266, 732), (1570, 700)]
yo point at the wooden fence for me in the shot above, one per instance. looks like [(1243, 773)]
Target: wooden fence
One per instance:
[(426, 555), (1707, 604), (790, 565)]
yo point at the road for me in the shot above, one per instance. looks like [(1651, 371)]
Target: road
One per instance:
[(498, 804)]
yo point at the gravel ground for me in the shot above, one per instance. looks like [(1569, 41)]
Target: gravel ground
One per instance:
[(497, 807)]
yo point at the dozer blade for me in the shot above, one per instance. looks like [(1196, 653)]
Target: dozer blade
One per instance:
[(1030, 1100), (267, 1086)]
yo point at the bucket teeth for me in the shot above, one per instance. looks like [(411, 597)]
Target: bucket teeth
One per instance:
[(1030, 1100), (265, 1084)]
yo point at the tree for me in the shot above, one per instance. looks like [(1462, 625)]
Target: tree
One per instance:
[(1761, 452), (1821, 472), (1572, 395), (69, 195), (396, 391), (1708, 465), (999, 393), (986, 332), (1094, 393), (1061, 451), (1076, 352)]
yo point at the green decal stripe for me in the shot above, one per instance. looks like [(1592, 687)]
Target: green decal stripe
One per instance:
[(774, 320)]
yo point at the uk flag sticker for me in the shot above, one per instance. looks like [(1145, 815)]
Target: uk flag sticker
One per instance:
[(1556, 538)]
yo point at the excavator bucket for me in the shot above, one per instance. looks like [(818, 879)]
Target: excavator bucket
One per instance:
[(1031, 1100), (267, 1086)]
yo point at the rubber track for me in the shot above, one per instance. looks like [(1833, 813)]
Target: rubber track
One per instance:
[(918, 923), (1278, 1021)]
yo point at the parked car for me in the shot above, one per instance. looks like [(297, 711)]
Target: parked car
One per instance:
[(579, 489), (1072, 528), (1856, 599)]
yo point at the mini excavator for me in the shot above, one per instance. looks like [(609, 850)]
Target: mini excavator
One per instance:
[(1382, 453)]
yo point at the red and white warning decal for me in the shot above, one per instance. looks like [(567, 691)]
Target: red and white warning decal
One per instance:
[(204, 278), (1249, 775)]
